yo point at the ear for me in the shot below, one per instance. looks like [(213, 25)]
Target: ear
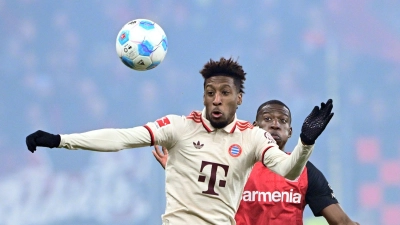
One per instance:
[(239, 98), (290, 132), (204, 99), (255, 123)]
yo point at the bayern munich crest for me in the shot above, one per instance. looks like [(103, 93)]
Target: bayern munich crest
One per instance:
[(235, 150)]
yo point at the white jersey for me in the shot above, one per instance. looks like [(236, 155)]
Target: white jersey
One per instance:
[(207, 168)]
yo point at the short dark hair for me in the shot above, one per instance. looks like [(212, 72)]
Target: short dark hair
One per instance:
[(227, 67), (274, 101)]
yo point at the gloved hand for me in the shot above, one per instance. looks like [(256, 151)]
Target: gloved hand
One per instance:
[(316, 122), (43, 139)]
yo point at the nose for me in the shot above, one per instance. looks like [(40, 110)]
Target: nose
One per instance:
[(217, 99), (275, 124)]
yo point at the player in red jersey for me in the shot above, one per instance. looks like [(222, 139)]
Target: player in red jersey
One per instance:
[(271, 199)]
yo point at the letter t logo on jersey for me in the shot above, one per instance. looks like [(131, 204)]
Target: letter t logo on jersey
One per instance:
[(163, 121), (213, 176)]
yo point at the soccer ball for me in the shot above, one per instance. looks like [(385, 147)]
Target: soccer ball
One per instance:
[(141, 44)]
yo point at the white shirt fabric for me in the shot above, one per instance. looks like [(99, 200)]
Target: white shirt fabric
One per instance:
[(207, 168)]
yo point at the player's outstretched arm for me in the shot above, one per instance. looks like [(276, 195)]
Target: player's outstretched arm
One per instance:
[(161, 157), (335, 215), (316, 122), (105, 140)]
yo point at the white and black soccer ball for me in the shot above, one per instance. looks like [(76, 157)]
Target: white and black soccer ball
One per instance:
[(141, 44)]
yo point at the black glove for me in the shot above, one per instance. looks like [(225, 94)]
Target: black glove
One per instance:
[(43, 139), (316, 122)]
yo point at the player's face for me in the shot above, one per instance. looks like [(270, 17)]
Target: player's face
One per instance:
[(221, 99), (275, 119)]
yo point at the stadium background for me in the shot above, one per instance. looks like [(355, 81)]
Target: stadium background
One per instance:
[(60, 73)]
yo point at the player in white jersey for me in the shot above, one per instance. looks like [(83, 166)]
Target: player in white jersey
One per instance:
[(211, 152)]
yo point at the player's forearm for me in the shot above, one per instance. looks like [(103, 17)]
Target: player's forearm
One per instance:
[(107, 140), (289, 166), (299, 158), (345, 223), (342, 221), (335, 215)]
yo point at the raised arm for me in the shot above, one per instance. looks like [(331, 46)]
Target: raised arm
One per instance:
[(291, 166)]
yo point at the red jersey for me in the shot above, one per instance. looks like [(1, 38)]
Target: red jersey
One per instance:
[(271, 199)]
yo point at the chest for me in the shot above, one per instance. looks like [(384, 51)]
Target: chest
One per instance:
[(230, 154)]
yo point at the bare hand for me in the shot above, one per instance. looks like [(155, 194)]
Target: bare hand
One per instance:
[(161, 157)]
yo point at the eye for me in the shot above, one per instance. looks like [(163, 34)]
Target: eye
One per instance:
[(210, 93), (284, 120), (267, 118), (225, 92)]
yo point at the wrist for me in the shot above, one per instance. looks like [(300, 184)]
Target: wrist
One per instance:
[(55, 141), (306, 140)]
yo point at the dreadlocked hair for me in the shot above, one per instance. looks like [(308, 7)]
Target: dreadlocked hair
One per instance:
[(225, 67)]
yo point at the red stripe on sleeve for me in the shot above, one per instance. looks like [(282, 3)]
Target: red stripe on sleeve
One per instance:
[(262, 159), (151, 135)]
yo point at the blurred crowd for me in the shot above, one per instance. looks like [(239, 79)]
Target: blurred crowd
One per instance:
[(60, 73)]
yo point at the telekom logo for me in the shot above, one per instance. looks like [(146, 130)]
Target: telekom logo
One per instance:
[(213, 176)]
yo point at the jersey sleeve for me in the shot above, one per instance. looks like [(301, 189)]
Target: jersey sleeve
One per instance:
[(289, 166), (161, 132), (166, 130), (319, 194), (264, 142), (107, 140)]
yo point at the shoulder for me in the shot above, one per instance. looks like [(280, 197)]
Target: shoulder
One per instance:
[(250, 131), (262, 135), (195, 116), (243, 125), (170, 121), (310, 165), (171, 118), (317, 183), (312, 170)]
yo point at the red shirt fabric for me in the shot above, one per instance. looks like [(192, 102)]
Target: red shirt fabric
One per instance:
[(269, 198)]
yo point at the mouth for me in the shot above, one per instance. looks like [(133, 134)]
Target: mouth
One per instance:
[(216, 114), (275, 136)]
